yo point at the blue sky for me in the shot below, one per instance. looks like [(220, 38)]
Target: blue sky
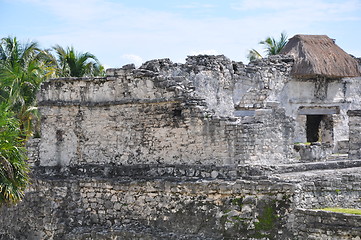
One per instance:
[(134, 31)]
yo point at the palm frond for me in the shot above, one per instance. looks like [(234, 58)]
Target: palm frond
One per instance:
[(253, 54), (13, 167), (74, 64), (273, 46)]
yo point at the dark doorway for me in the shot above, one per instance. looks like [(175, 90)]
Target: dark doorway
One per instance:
[(313, 123)]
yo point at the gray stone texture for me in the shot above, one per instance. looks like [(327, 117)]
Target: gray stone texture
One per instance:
[(74, 209), (201, 150), (311, 224), (355, 133), (161, 113)]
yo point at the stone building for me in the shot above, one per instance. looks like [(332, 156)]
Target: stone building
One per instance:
[(324, 87), (209, 149)]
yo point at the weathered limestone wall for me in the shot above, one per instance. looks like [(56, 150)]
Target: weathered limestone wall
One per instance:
[(161, 113), (162, 133), (208, 78), (339, 190), (209, 110), (79, 208), (316, 224), (355, 133), (321, 189), (260, 84), (268, 82), (211, 204)]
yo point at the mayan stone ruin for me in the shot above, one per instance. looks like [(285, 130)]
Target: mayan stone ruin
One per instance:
[(209, 149)]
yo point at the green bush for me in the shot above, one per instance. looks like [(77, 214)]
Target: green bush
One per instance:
[(13, 166)]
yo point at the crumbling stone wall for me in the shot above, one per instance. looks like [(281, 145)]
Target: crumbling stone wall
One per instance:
[(269, 82), (318, 189), (161, 133), (261, 83), (341, 190), (355, 136), (316, 224), (77, 208), (161, 113), (210, 105)]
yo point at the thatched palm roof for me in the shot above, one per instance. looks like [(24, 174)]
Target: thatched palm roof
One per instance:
[(319, 56)]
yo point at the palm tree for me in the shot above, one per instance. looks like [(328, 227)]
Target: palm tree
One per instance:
[(23, 67), (272, 47), (13, 166), (21, 73), (253, 55), (70, 63)]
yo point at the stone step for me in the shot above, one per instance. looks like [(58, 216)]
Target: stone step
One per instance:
[(301, 167), (323, 177), (186, 172), (265, 171), (337, 157)]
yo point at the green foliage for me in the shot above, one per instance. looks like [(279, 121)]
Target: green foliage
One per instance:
[(70, 63), (253, 55), (343, 210), (274, 47), (302, 143), (13, 166), (23, 67), (21, 73), (266, 221), (271, 46)]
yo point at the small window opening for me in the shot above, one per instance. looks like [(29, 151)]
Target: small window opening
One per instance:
[(319, 128), (313, 128)]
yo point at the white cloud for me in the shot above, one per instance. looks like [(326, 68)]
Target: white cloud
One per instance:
[(110, 29), (132, 58), (76, 11), (308, 10)]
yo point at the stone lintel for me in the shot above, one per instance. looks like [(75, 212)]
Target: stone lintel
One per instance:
[(243, 113), (319, 111)]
